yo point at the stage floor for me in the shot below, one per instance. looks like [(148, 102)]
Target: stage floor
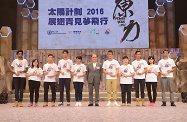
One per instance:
[(93, 114)]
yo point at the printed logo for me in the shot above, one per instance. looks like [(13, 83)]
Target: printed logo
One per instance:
[(65, 65), (167, 65), (79, 69), (110, 66), (20, 65), (49, 69), (139, 66), (125, 70)]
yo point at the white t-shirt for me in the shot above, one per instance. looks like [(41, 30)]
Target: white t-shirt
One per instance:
[(111, 66), (51, 69), (165, 65), (151, 77), (127, 70), (63, 65), (140, 65), (79, 69), (19, 65), (34, 70)]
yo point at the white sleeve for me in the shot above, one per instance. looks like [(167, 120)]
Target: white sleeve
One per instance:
[(26, 63), (104, 65), (145, 63), (159, 64), (85, 68), (73, 69), (56, 68), (44, 68), (157, 69), (117, 64), (131, 69), (29, 71), (59, 64)]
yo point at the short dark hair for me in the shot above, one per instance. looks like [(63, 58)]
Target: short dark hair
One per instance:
[(110, 51), (32, 65), (65, 51), (151, 57), (50, 55), (137, 51), (79, 57), (19, 51), (125, 57), (166, 50)]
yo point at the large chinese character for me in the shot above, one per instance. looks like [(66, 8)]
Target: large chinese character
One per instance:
[(60, 21), (95, 21), (86, 21), (52, 21), (52, 11), (127, 29), (78, 21), (121, 13), (104, 20), (69, 11), (77, 11), (121, 8), (69, 21), (60, 11)]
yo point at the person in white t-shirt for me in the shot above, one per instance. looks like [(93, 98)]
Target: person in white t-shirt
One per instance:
[(64, 66), (111, 69), (19, 68), (78, 72), (126, 72), (167, 67), (140, 67), (151, 80), (50, 70), (34, 75)]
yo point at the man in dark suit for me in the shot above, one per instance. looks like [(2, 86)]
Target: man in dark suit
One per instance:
[(94, 77)]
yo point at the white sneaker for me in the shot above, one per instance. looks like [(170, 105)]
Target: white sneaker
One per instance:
[(80, 104), (77, 104), (108, 104), (115, 104)]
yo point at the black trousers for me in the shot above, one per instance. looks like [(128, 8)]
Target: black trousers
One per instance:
[(154, 87), (53, 91), (19, 84), (78, 91), (64, 82), (34, 88), (139, 83), (126, 89)]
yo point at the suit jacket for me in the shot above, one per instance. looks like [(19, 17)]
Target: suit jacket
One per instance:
[(94, 76)]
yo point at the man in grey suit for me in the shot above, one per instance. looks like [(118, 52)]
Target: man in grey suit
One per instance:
[(94, 77)]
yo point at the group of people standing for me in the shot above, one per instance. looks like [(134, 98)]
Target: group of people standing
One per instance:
[(139, 73)]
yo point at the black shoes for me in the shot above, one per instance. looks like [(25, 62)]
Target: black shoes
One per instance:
[(97, 104), (90, 104), (163, 104), (173, 104), (61, 104)]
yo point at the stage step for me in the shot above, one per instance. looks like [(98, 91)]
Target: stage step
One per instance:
[(177, 96)]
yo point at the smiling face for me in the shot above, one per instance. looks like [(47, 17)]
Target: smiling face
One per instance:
[(125, 61), (110, 55), (138, 55), (65, 55), (35, 63), (20, 55), (165, 54), (50, 59), (94, 58)]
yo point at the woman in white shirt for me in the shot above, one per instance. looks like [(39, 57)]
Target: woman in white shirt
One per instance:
[(126, 73), (151, 80), (78, 71), (34, 75)]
